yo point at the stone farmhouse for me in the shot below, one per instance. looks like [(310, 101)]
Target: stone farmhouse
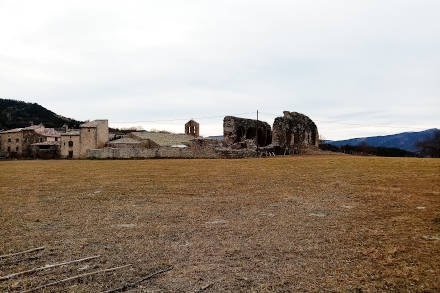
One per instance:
[(291, 133), (23, 142), (36, 141), (91, 135)]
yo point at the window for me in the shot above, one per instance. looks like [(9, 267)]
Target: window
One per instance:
[(25, 140), (251, 133), (64, 143), (17, 140), (41, 139), (88, 129), (70, 143), (16, 149), (9, 139), (9, 149)]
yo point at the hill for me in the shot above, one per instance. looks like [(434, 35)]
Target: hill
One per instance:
[(405, 141), (16, 114)]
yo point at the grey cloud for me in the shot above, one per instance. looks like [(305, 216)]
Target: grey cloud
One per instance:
[(365, 62)]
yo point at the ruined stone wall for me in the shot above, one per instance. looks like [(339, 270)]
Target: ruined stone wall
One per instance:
[(138, 153), (237, 130), (294, 131), (192, 128), (126, 145), (200, 148)]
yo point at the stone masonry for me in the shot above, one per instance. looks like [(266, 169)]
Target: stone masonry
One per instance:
[(192, 128), (238, 131), (294, 131)]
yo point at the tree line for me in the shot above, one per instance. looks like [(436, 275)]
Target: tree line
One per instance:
[(429, 148)]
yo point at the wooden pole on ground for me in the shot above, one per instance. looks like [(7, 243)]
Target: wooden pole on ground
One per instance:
[(22, 252), (46, 267), (74, 278), (133, 285)]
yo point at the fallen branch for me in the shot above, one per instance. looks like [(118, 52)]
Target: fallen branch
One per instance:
[(46, 267), (21, 252), (74, 278), (133, 285)]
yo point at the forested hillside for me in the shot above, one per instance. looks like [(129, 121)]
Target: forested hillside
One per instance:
[(15, 114)]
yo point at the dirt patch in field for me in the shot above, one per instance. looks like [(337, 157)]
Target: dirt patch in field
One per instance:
[(309, 223)]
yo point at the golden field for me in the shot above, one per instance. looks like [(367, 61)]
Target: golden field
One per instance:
[(305, 223)]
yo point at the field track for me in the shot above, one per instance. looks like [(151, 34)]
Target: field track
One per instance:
[(304, 223)]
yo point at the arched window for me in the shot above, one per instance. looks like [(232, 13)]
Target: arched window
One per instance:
[(240, 133), (289, 138), (251, 133)]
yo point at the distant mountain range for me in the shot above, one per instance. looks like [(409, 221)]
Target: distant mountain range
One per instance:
[(17, 114), (405, 141)]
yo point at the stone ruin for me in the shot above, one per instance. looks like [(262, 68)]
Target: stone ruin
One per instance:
[(246, 133), (192, 128), (242, 138), (293, 132)]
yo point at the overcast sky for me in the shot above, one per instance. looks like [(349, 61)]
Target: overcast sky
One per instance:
[(357, 68)]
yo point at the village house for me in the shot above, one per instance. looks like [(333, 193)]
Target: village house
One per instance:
[(91, 135), (36, 141), (20, 142), (70, 145)]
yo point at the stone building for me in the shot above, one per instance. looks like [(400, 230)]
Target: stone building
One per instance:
[(46, 150), (293, 132), (91, 135), (17, 143), (192, 128), (237, 131), (70, 145)]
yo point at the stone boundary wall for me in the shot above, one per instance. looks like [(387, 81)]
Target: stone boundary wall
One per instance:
[(155, 153), (201, 149)]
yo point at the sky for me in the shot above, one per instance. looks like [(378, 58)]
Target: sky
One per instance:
[(355, 67)]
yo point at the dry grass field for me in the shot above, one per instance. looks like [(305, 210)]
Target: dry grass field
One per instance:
[(321, 223)]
